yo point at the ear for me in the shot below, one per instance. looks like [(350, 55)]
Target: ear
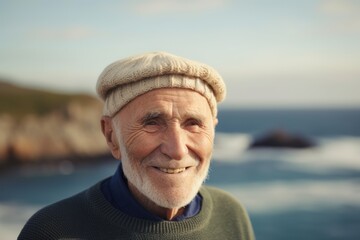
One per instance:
[(111, 140), (216, 121)]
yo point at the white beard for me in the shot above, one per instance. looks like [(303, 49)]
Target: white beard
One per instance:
[(161, 198)]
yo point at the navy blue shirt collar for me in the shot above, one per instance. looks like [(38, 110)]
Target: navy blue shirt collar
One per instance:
[(116, 191)]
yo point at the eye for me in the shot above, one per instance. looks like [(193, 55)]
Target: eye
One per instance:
[(193, 124), (152, 124)]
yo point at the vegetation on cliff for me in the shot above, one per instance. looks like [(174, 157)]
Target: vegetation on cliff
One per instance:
[(42, 126), (20, 102)]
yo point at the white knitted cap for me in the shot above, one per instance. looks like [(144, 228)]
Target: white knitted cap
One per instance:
[(124, 80)]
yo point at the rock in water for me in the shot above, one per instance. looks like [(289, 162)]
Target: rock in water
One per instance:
[(282, 139)]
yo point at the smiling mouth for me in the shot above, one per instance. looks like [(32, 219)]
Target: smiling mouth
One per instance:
[(172, 170)]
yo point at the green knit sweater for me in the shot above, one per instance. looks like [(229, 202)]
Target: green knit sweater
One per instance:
[(88, 215)]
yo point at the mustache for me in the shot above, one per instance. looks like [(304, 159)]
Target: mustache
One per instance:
[(158, 159)]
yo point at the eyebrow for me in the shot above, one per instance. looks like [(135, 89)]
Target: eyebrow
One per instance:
[(151, 115), (193, 115), (157, 114)]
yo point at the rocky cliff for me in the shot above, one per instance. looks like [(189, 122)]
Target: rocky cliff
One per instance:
[(63, 127)]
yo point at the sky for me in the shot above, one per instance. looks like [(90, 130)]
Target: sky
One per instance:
[(271, 53)]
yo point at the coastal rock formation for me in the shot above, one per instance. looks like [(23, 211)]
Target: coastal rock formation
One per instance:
[(67, 133), (282, 139), (6, 128), (39, 126)]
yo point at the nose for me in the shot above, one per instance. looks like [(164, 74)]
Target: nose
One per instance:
[(174, 143)]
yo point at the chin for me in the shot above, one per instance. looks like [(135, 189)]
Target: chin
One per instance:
[(171, 198), (164, 196)]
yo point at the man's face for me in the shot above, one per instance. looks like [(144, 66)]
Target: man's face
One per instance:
[(166, 138)]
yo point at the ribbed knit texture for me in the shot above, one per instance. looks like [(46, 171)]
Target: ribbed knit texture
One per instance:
[(123, 80), (88, 215)]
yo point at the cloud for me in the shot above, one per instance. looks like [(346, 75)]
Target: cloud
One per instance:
[(150, 7), (68, 33), (343, 15), (340, 7)]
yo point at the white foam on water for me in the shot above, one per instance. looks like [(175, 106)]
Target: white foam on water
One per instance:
[(300, 195), (229, 147), (339, 153), (330, 153), (13, 217)]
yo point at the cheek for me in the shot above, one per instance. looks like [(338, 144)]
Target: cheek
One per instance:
[(141, 145), (202, 146)]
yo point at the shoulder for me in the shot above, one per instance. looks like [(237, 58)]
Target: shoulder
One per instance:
[(218, 195), (50, 221), (228, 211)]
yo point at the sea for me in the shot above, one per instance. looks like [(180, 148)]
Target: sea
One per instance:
[(311, 193)]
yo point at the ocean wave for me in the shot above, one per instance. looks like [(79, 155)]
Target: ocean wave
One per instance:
[(13, 217), (341, 152), (229, 147), (299, 195)]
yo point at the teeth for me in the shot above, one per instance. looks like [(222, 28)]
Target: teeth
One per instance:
[(172, 170)]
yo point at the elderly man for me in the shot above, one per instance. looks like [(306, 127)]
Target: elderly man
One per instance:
[(159, 120)]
